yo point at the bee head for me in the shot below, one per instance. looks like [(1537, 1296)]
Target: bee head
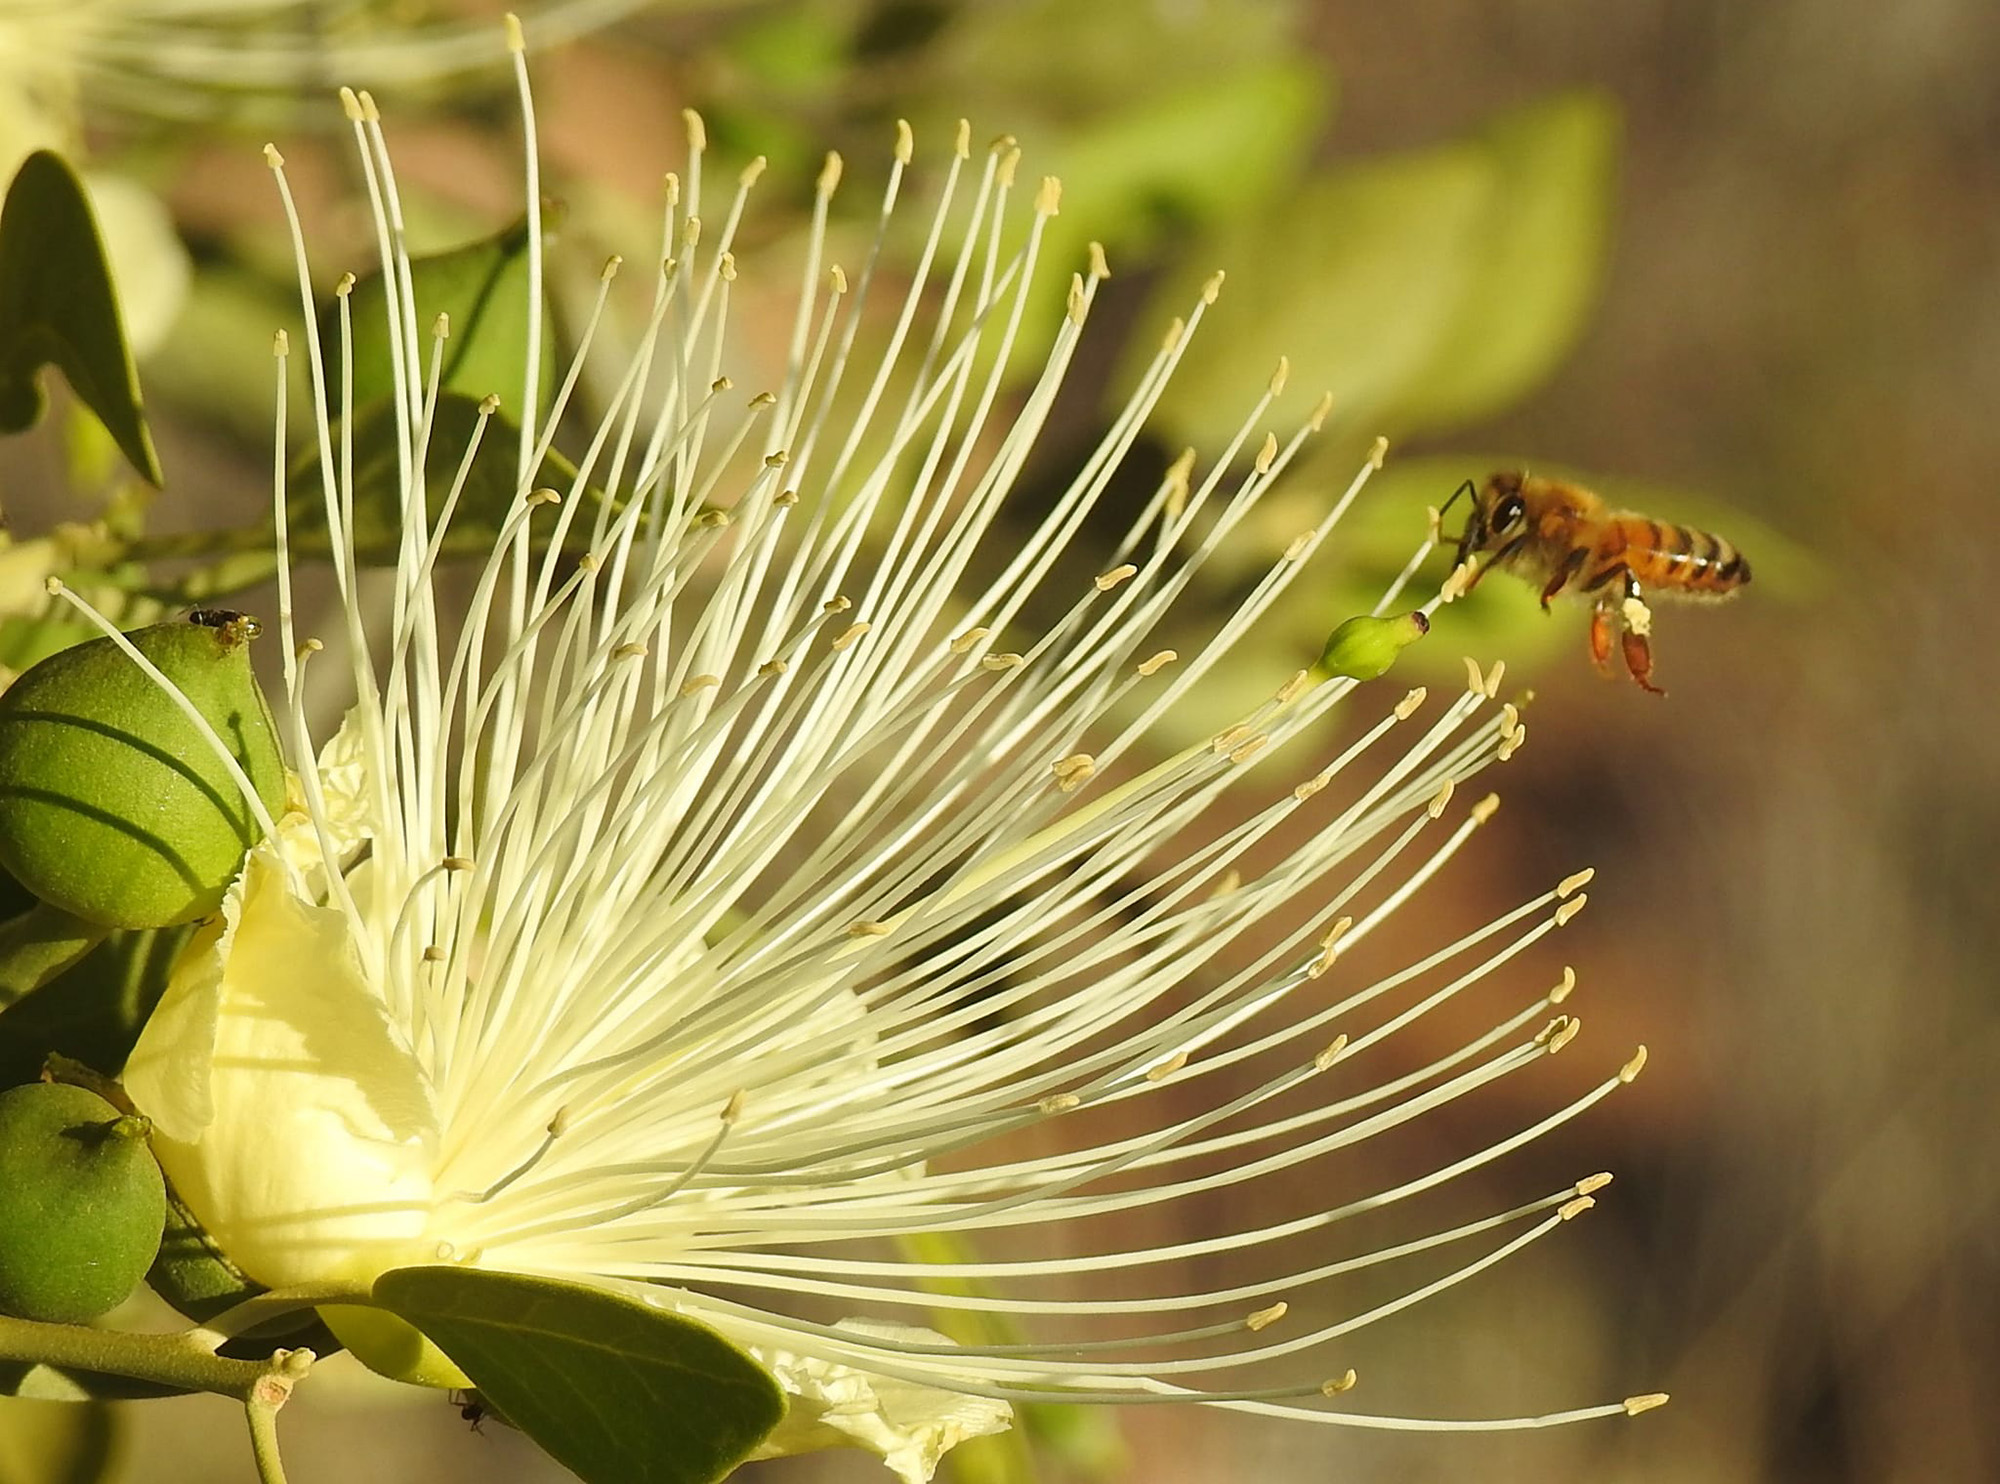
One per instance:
[(1497, 511)]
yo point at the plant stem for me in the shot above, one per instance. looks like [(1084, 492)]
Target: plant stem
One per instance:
[(263, 1419), (176, 1361)]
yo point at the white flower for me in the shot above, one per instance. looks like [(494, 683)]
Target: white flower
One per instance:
[(786, 876)]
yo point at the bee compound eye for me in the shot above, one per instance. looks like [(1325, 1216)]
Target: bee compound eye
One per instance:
[(1507, 512)]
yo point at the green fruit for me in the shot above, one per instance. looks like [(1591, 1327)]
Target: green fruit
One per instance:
[(81, 1203), (113, 806)]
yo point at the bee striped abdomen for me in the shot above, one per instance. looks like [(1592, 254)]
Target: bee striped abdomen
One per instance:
[(1679, 558)]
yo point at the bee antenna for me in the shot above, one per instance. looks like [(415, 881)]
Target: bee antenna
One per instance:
[(1467, 488)]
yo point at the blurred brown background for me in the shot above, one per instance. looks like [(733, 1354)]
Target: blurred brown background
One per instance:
[(1799, 319)]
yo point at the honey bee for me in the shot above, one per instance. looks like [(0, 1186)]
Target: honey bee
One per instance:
[(1562, 536)]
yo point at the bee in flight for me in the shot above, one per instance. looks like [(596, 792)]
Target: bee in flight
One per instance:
[(1561, 536)]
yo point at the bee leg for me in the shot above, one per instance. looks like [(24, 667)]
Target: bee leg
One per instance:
[(1601, 624), (1636, 642), (1560, 579)]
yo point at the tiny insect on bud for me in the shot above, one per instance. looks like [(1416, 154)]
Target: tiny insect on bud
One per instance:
[(1364, 647)]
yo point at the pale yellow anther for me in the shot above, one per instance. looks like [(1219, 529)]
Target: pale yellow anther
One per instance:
[(1153, 664), (1343, 1382), (281, 345), (489, 404), (1322, 410), (456, 863), (847, 636), (309, 647), (1008, 661), (1510, 744), (1059, 1102), (868, 928), (543, 496), (1567, 1032), (1474, 681), (1212, 290), (1299, 545), (1491, 685), (1265, 1318), (711, 519), (1330, 1054), (517, 40), (1570, 1210), (670, 188), (433, 954), (697, 131), (1072, 772), (1292, 689), (1564, 987), (1171, 339), (370, 114), (1485, 809), (1570, 908), (761, 401), (1250, 749), (731, 1110), (590, 562), (961, 141), (1226, 883), (54, 586), (632, 651), (777, 459), (1407, 707), (1161, 1071), (350, 104), (1434, 523), (1437, 804), (345, 286), (906, 142), (1634, 1405), (748, 176), (610, 269), (1591, 1183), (1510, 718), (1570, 885), (1310, 787), (1228, 737), (272, 158), (1108, 580), (695, 684), (1048, 200), (785, 499), (1281, 375), (1010, 164), (772, 669), (1377, 452), (1629, 1073), (1336, 930), (725, 267), (1077, 307), (836, 604), (1100, 266), (965, 641)]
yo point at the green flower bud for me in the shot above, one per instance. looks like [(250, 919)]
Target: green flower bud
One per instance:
[(1363, 648), (81, 1203), (113, 806)]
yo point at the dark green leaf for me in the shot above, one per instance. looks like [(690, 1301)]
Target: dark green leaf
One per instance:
[(483, 287), (615, 1390), (57, 307), (92, 1011), (491, 487)]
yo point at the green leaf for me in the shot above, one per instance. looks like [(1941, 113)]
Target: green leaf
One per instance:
[(1442, 282), (615, 1390), (92, 1011), (483, 288), (57, 307), (57, 1443), (1535, 275)]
